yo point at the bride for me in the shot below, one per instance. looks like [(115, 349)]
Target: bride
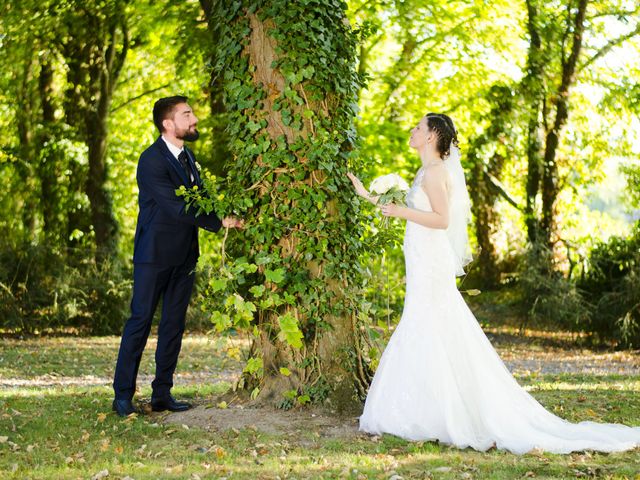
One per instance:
[(439, 377)]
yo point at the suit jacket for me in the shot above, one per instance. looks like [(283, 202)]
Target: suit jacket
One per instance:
[(166, 234)]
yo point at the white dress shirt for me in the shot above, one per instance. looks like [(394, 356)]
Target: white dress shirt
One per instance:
[(176, 151)]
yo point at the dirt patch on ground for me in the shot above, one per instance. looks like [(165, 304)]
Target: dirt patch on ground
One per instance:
[(305, 425)]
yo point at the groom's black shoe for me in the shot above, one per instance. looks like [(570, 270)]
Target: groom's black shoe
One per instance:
[(124, 408), (169, 403)]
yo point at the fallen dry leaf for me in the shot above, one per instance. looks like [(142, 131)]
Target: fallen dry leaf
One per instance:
[(219, 451), (176, 469), (101, 474)]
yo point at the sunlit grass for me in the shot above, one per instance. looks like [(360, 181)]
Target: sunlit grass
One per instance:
[(85, 356), (69, 432)]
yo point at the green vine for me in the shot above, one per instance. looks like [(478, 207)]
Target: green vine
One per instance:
[(293, 276)]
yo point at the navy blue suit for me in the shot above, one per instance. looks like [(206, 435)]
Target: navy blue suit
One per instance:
[(165, 255)]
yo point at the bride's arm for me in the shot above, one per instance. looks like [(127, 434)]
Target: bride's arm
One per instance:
[(360, 190), (435, 186)]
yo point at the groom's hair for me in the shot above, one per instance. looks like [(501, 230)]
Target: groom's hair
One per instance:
[(163, 109)]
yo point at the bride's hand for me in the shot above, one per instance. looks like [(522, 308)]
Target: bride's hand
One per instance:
[(357, 184), (391, 210)]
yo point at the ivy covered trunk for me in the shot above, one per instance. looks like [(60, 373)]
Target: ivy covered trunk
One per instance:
[(290, 86)]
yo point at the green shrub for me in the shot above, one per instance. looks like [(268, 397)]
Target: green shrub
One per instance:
[(47, 290), (550, 299), (612, 284), (92, 298)]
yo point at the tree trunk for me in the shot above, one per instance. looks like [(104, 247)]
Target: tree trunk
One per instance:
[(95, 58), (483, 201), (484, 172), (104, 223), (534, 169), (533, 88), (219, 137), (48, 164), (292, 129), (550, 187), (25, 165), (542, 140)]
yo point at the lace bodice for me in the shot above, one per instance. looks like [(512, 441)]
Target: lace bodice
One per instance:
[(416, 196), (426, 247)]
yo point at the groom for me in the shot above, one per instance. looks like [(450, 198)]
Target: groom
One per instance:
[(164, 257)]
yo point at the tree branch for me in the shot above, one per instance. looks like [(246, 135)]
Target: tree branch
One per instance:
[(364, 4), (610, 46), (122, 55), (614, 13), (499, 189), (404, 66), (137, 97)]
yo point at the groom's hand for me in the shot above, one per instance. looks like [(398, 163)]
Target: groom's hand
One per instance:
[(232, 222)]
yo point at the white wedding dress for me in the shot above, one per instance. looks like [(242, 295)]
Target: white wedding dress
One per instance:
[(440, 378)]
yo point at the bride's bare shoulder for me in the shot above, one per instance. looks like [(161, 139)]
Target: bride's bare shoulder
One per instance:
[(435, 175)]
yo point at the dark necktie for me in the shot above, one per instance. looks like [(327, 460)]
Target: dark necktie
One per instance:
[(182, 157)]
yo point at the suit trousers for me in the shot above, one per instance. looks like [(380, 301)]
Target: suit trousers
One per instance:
[(151, 282)]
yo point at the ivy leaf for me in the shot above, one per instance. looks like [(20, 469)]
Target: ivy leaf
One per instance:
[(289, 330), (263, 259), (285, 371), (290, 394), (221, 321), (275, 276), (254, 393), (253, 126), (217, 284), (257, 290), (254, 366)]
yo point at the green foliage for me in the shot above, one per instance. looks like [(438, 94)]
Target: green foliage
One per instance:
[(43, 291), (603, 302), (48, 105), (456, 57), (611, 284), (550, 298), (632, 173)]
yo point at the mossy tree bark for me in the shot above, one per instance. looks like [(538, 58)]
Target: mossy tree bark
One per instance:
[(290, 89)]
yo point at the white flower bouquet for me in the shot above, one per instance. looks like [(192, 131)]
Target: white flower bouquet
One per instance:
[(391, 188)]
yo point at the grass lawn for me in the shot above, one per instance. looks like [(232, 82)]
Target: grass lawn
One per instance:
[(56, 423)]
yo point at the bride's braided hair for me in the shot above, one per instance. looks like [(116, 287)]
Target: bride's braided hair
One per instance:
[(446, 132)]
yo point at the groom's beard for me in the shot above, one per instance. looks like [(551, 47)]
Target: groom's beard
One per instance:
[(189, 135)]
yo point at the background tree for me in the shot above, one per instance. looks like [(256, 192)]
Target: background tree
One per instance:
[(94, 46)]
